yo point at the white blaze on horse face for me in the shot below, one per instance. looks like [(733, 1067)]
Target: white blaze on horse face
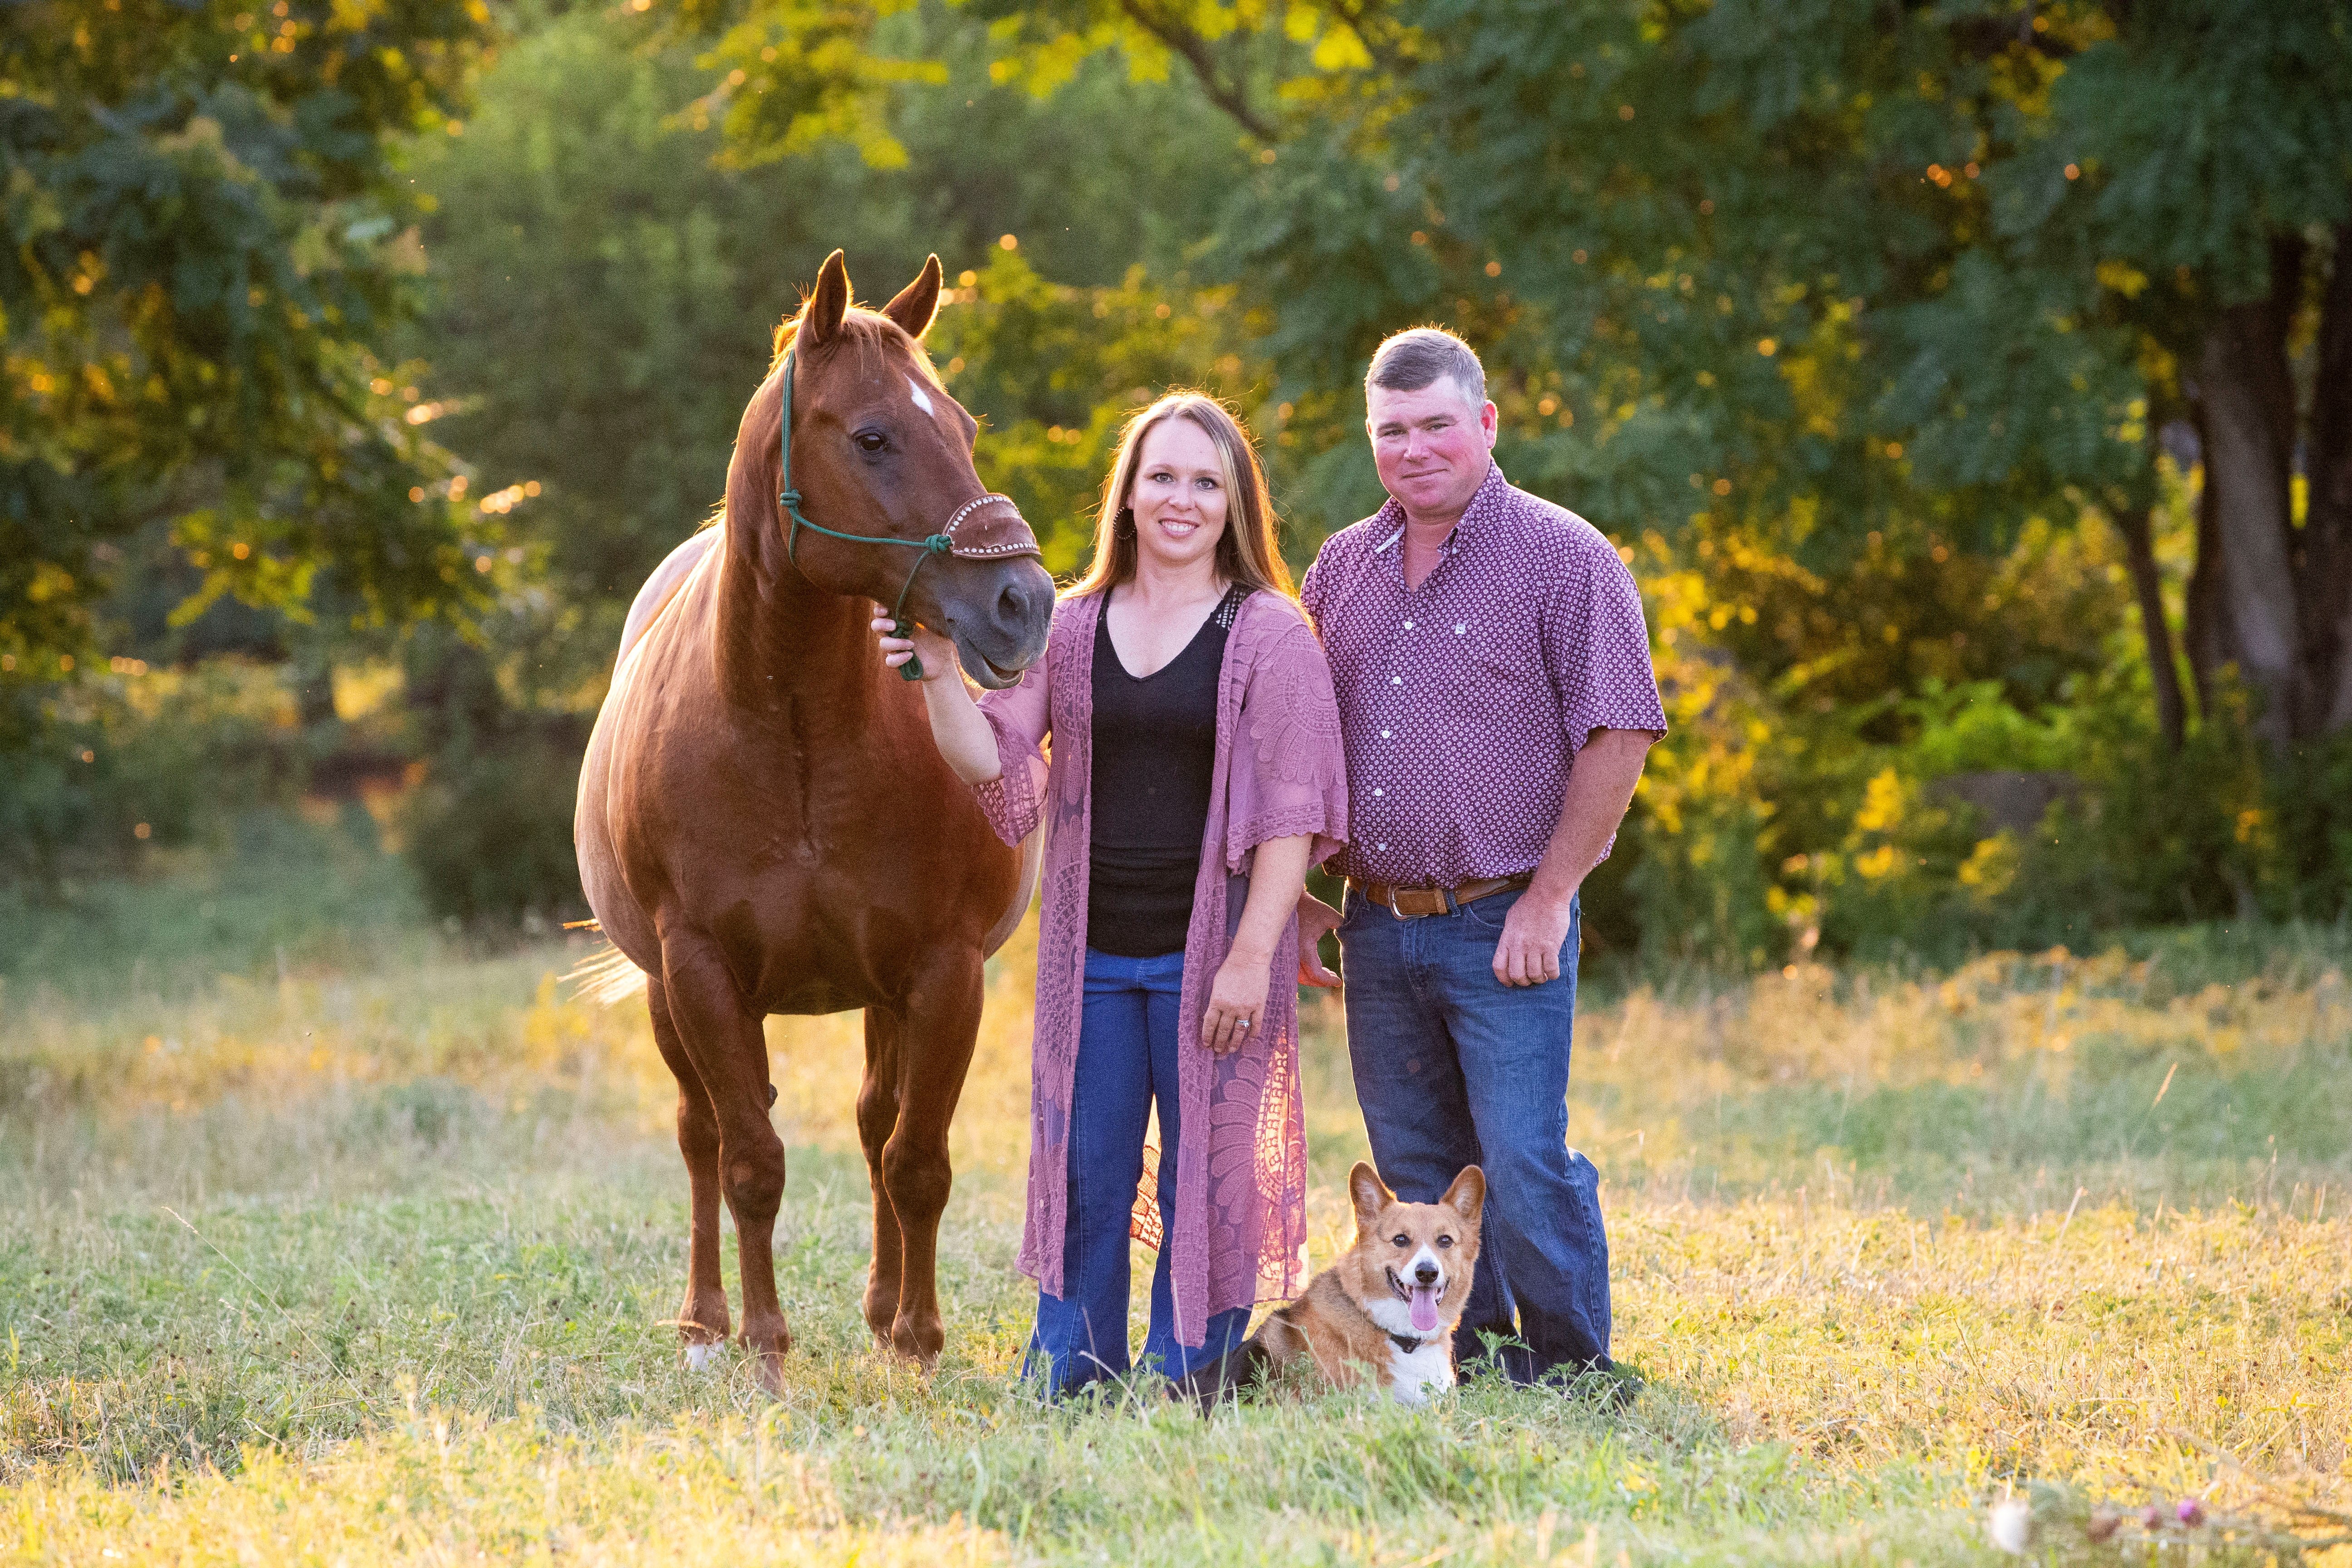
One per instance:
[(922, 402)]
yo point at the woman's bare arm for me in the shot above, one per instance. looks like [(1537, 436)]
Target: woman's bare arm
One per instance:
[(965, 737)]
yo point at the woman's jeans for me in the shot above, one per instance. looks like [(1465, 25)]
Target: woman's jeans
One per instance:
[(1127, 1056), (1453, 1068)]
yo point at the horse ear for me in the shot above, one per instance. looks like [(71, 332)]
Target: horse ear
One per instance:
[(821, 317), (919, 301)]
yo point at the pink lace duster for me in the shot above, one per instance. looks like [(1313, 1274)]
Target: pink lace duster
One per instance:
[(1239, 1229)]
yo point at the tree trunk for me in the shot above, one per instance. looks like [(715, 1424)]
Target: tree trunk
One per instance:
[(2326, 536), (2202, 633), (2139, 548), (2246, 395)]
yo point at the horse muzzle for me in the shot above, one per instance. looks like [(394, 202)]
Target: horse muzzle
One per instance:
[(1000, 625)]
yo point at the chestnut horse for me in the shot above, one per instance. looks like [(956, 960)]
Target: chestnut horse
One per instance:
[(764, 823)]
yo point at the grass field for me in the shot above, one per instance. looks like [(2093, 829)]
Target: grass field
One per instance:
[(324, 1238)]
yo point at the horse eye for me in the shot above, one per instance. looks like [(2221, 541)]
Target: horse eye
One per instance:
[(1402, 1240), (871, 441)]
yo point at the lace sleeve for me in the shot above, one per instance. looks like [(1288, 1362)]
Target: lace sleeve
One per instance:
[(1022, 717), (1290, 773)]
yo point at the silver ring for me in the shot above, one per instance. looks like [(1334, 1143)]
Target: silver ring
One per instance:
[(1243, 1024)]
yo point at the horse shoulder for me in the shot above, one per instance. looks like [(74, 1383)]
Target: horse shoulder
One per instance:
[(664, 584)]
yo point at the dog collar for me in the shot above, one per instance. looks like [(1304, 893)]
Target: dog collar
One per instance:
[(1407, 1344)]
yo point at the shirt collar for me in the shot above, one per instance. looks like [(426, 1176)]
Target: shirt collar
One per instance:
[(1389, 520)]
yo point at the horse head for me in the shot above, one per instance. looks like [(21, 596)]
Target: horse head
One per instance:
[(882, 501)]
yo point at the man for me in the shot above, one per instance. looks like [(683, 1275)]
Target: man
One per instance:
[(1497, 701)]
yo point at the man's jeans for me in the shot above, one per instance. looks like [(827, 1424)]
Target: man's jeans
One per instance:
[(1452, 1069), (1127, 1056)]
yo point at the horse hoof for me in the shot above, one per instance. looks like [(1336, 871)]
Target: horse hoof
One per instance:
[(879, 1317), (768, 1367), (917, 1346), (701, 1357)]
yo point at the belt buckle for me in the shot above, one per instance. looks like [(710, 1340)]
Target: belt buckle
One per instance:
[(1398, 895)]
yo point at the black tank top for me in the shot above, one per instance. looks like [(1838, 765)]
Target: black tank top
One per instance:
[(1155, 747)]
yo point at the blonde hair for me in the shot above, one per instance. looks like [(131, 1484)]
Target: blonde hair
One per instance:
[(1246, 554)]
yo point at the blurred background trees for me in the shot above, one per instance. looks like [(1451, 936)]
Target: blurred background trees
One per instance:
[(1970, 385)]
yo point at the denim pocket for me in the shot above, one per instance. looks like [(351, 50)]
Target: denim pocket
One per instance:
[(1488, 913)]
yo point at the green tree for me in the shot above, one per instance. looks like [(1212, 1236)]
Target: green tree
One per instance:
[(203, 216), (206, 249)]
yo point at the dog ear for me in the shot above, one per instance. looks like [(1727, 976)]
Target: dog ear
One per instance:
[(1369, 1193), (821, 316), (918, 302), (1467, 1196)]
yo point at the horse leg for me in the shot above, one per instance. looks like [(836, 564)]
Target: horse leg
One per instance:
[(941, 1014), (878, 1117), (722, 1039), (702, 1321)]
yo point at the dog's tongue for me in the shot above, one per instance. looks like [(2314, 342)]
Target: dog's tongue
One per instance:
[(1423, 1299)]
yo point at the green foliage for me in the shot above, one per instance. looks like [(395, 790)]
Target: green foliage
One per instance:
[(123, 764), (490, 835), (202, 256), (205, 252)]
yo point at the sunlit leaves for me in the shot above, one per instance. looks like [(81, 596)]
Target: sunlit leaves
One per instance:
[(794, 75), (200, 205)]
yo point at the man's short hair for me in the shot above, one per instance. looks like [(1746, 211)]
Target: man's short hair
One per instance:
[(1416, 357)]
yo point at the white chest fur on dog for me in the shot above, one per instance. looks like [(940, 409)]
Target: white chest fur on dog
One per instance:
[(1414, 1376)]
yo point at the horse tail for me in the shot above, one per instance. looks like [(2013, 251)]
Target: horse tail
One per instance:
[(605, 977)]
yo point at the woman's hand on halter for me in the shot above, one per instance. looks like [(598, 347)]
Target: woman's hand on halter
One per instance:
[(939, 654)]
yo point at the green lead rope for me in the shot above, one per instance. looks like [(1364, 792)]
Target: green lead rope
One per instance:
[(936, 544)]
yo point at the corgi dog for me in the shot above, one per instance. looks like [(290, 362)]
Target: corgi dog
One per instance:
[(1386, 1311)]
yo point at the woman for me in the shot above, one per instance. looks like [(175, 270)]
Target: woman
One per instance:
[(1196, 773)]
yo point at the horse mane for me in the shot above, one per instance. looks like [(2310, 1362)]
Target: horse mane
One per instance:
[(869, 331)]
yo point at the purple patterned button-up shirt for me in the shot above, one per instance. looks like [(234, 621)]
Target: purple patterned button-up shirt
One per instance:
[(1463, 702)]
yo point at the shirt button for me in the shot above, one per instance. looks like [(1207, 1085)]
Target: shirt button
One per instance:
[(1408, 626), (1396, 680), (1459, 627), (1380, 845), (1384, 734)]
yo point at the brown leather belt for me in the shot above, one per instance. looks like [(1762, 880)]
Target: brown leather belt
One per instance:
[(1414, 903)]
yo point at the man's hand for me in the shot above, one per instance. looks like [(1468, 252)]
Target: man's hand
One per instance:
[(1600, 787), (1533, 933), (1315, 918)]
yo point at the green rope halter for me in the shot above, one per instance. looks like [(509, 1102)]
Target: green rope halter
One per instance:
[(933, 544)]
